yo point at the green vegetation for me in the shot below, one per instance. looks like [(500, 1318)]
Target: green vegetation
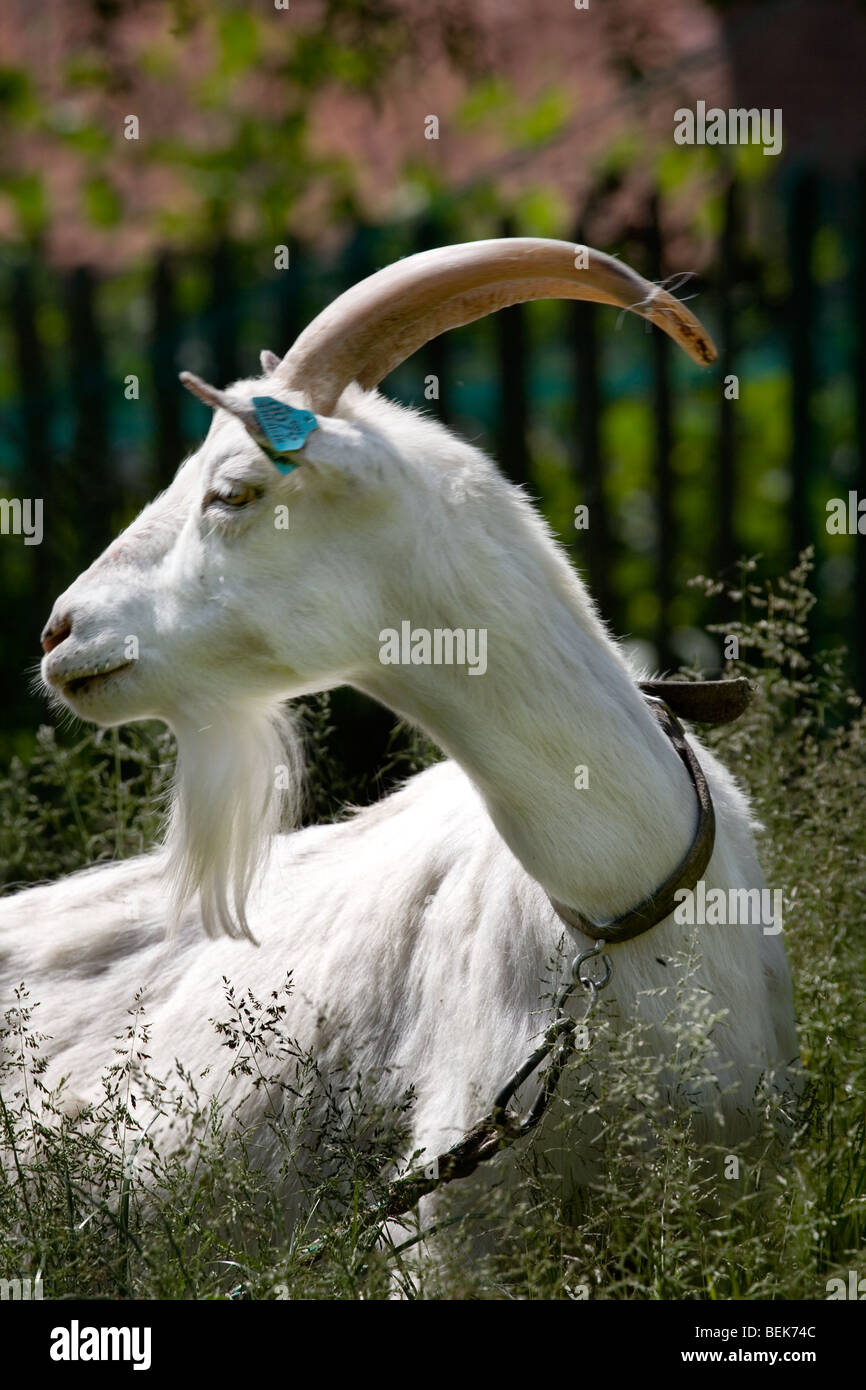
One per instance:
[(86, 1199)]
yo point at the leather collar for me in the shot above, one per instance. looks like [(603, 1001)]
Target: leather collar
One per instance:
[(714, 702)]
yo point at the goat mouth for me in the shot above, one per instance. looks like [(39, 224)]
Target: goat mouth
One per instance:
[(83, 685)]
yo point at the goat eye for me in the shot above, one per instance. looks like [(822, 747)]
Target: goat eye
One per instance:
[(236, 495)]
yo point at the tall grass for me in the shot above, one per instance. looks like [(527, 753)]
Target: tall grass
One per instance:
[(86, 1199)]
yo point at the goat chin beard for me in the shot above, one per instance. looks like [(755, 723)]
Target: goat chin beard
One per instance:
[(238, 781)]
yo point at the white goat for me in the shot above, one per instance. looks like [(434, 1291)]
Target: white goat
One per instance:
[(420, 930)]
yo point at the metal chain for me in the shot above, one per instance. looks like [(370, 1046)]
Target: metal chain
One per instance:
[(502, 1126)]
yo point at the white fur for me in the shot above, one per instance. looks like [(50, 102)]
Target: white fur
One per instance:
[(419, 931)]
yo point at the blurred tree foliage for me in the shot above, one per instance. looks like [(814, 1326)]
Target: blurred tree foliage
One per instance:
[(224, 93)]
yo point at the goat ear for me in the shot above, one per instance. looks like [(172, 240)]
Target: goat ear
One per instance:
[(244, 411), (209, 394), (277, 428), (269, 360)]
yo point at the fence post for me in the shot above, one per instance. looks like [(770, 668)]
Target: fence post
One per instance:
[(222, 313), (167, 436), (289, 305), (726, 543), (35, 392), (596, 541), (437, 356), (801, 319), (666, 547), (91, 486), (512, 370)]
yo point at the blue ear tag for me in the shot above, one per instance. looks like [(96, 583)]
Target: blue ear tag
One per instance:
[(285, 428)]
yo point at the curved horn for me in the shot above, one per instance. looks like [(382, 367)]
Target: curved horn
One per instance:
[(382, 320)]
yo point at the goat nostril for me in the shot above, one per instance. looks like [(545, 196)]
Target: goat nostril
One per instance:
[(55, 633)]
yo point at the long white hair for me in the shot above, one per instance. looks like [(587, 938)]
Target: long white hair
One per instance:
[(239, 781)]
